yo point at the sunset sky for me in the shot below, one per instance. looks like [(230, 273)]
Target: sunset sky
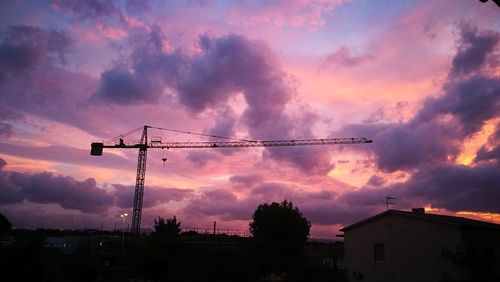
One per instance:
[(419, 78)]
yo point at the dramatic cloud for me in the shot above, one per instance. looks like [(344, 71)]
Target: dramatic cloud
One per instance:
[(473, 49), (448, 186), (201, 158), (491, 150), (225, 67), (123, 87), (84, 196), (9, 191), (145, 77), (7, 116), (220, 203), (436, 132), (152, 195), (246, 181), (376, 181), (88, 9), (25, 47), (46, 188)]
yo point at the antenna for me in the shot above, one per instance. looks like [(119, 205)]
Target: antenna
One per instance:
[(389, 201)]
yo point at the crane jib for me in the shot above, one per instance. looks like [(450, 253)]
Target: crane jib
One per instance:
[(97, 147), (118, 142)]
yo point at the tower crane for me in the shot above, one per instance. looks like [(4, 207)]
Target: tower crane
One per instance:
[(155, 143)]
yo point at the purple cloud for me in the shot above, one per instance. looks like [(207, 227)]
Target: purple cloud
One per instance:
[(84, 196), (153, 196), (473, 49), (121, 86), (343, 57), (490, 151), (225, 67), (221, 203), (25, 47), (90, 9), (376, 181), (46, 188), (449, 186), (246, 181), (144, 78), (436, 132)]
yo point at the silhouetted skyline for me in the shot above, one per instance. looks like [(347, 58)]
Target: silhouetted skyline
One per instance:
[(419, 78)]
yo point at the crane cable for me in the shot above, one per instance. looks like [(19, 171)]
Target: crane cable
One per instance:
[(201, 134), (125, 134)]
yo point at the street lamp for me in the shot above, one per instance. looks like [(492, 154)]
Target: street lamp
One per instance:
[(124, 219)]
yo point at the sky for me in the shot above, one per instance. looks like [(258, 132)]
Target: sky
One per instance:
[(419, 78)]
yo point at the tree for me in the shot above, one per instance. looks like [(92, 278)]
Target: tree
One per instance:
[(169, 227), (280, 222), (5, 224), (280, 232)]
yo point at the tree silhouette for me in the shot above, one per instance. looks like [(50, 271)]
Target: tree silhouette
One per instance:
[(280, 222), (169, 227), (280, 232), (5, 224)]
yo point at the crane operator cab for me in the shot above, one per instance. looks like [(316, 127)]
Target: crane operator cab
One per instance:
[(96, 148)]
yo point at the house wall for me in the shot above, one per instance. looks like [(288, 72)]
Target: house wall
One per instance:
[(413, 250)]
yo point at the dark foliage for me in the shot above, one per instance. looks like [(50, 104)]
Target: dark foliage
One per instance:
[(169, 227), (5, 224), (280, 222), (280, 232)]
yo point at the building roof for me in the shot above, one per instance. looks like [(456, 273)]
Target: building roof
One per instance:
[(460, 222)]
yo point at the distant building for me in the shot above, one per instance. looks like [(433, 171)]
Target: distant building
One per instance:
[(420, 247)]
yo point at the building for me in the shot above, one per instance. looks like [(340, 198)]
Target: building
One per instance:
[(420, 247)]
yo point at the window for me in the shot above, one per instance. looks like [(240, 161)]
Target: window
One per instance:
[(379, 252)]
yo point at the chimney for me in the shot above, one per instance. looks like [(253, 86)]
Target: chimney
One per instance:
[(418, 210)]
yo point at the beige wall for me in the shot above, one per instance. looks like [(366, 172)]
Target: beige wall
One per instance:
[(413, 249)]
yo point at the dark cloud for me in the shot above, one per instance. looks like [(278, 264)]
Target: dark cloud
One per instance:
[(201, 158), (25, 47), (121, 86), (7, 116), (84, 196), (448, 186), (328, 212), (225, 122), (138, 6), (471, 101), (9, 191), (69, 193), (376, 181), (153, 196), (473, 49), (5, 130), (233, 64), (220, 203), (271, 191), (225, 67), (246, 181), (89, 9), (343, 57), (46, 188), (67, 155), (491, 150), (436, 132), (38, 84), (145, 77)]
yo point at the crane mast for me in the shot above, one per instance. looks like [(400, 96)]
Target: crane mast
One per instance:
[(143, 145)]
